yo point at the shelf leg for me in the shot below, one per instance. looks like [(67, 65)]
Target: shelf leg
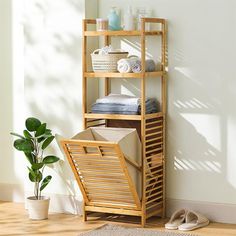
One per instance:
[(143, 220), (84, 213)]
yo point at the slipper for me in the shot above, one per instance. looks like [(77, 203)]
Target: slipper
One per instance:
[(193, 220), (176, 219)]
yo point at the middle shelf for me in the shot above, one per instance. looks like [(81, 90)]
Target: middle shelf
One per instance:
[(124, 75)]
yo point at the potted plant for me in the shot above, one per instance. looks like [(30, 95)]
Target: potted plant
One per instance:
[(34, 141)]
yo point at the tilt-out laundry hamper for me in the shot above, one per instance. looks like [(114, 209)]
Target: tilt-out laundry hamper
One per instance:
[(106, 163)]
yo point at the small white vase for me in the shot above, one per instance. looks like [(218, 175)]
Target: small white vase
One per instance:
[(38, 208)]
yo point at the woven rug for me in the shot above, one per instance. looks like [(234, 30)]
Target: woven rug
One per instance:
[(116, 230)]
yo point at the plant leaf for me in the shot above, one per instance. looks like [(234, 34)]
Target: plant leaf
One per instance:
[(35, 175), (18, 135), (30, 157), (32, 175), (37, 166), (48, 132), (47, 142), (41, 139), (41, 130), (32, 124), (23, 145), (27, 134), (45, 182), (50, 159)]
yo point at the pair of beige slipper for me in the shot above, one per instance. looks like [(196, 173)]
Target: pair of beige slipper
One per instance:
[(186, 220)]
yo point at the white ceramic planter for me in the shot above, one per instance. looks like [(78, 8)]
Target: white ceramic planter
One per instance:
[(38, 209)]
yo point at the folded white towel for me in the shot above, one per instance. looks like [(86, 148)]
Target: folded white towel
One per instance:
[(119, 99)]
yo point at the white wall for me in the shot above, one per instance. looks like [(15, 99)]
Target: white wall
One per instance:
[(201, 115)]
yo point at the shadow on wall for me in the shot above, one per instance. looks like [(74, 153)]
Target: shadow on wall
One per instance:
[(53, 71), (197, 140)]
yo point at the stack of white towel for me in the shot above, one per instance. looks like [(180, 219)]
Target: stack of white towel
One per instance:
[(133, 64)]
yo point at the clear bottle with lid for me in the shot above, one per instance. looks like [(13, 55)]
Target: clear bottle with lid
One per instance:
[(141, 13), (129, 20)]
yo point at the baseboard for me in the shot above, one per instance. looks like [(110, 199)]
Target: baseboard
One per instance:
[(59, 203), (215, 212)]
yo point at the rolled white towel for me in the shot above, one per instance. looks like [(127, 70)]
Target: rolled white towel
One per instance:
[(149, 66), (137, 66), (124, 65)]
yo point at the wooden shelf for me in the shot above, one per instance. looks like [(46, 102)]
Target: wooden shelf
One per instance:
[(121, 33), (121, 117), (150, 127), (124, 75)]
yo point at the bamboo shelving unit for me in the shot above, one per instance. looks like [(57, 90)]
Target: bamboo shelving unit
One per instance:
[(115, 193)]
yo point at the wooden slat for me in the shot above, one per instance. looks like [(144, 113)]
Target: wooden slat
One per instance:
[(153, 139), (157, 157), (153, 115), (104, 198), (107, 189), (153, 183), (102, 185), (153, 145), (156, 188), (152, 134), (153, 128), (113, 210), (155, 172), (154, 122), (154, 194), (153, 200), (154, 150)]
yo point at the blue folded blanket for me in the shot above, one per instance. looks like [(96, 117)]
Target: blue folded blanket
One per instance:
[(114, 108)]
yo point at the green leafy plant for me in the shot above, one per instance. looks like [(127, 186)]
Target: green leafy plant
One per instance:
[(34, 141)]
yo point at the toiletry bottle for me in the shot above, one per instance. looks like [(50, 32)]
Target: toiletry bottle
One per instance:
[(129, 20), (143, 12), (114, 20)]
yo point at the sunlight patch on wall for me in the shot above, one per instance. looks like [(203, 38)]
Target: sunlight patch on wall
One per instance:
[(208, 126), (193, 165)]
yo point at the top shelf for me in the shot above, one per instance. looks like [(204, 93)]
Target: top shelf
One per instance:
[(161, 31), (121, 33)]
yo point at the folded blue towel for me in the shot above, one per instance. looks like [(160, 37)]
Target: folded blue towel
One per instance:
[(113, 108)]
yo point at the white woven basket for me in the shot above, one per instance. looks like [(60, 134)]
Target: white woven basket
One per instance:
[(106, 62)]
